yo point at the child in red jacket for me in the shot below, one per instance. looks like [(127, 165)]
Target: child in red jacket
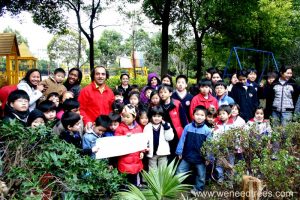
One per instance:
[(204, 98), (130, 164)]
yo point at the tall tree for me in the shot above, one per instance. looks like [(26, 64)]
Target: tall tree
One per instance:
[(162, 12), (64, 48), (109, 46)]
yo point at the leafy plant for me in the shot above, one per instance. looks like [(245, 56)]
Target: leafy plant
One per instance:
[(37, 163), (162, 183)]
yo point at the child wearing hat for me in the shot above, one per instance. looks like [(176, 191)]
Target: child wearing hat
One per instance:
[(130, 164), (36, 118)]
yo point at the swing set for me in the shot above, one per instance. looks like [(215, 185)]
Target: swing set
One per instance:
[(267, 58)]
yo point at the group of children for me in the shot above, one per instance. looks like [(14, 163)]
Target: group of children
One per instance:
[(175, 121)]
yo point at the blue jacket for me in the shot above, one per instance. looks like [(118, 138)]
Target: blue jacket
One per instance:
[(191, 141), (225, 100), (89, 141), (247, 100)]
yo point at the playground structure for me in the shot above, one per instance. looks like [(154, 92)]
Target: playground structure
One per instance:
[(267, 59), (18, 59)]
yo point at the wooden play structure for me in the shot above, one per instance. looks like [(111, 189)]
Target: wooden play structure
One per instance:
[(18, 59)]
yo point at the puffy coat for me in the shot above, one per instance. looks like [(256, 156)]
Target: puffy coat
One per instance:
[(164, 137), (284, 97), (130, 163), (53, 86), (200, 100)]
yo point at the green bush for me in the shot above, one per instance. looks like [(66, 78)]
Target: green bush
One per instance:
[(36, 162), (280, 173)]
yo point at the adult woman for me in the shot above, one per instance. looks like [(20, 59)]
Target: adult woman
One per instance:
[(124, 87), (30, 84), (284, 95), (73, 81)]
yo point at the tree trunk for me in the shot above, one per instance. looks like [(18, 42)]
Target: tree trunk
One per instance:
[(199, 40), (91, 43), (79, 49), (164, 48)]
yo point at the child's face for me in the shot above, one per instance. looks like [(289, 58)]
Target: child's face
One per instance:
[(181, 84), (59, 77), (155, 100), (259, 115), (76, 127), (271, 80), (220, 90), (50, 115), (114, 125), (166, 81), (243, 80), (144, 119), (67, 95), (252, 76), (127, 118), (207, 75), (119, 97), (55, 100), (210, 119), (234, 79), (164, 94), (157, 119), (134, 100), (234, 111), (20, 105), (204, 90), (223, 115), (215, 78), (37, 122), (199, 116), (148, 93), (99, 130), (154, 81)]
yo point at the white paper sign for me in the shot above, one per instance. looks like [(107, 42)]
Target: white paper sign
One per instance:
[(120, 145)]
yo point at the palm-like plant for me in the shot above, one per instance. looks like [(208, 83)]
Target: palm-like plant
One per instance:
[(163, 183)]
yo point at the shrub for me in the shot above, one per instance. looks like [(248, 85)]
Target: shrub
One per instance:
[(279, 171), (37, 163)]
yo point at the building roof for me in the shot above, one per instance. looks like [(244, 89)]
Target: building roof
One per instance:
[(8, 44)]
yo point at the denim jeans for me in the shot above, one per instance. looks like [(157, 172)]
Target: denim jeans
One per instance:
[(184, 166), (282, 118)]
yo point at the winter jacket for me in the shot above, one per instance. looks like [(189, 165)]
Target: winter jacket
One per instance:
[(4, 93), (89, 141), (34, 95), (71, 138), (73, 88), (185, 102), (93, 103), (125, 93), (199, 100), (247, 100), (284, 97), (266, 94), (11, 114), (191, 142), (263, 127), (225, 100), (52, 86), (164, 137), (143, 97), (238, 122), (130, 163), (221, 128)]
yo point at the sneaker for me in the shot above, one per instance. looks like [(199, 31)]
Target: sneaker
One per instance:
[(194, 192)]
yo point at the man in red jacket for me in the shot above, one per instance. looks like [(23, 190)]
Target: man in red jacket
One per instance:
[(96, 98), (204, 98)]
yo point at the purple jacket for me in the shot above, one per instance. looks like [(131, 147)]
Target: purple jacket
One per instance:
[(143, 97)]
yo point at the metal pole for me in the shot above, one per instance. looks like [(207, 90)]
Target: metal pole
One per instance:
[(133, 58)]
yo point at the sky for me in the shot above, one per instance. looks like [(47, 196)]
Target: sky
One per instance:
[(38, 37)]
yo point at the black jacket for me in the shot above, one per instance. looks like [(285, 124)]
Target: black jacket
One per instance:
[(247, 100)]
